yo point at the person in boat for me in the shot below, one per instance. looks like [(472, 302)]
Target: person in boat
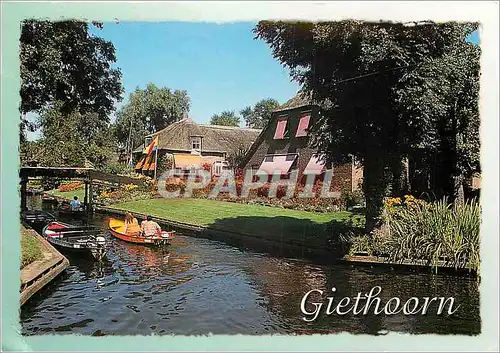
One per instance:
[(149, 227), (75, 204), (131, 225)]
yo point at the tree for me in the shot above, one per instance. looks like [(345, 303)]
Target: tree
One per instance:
[(356, 72), (149, 110), (447, 89), (70, 139), (226, 118), (62, 62), (258, 116)]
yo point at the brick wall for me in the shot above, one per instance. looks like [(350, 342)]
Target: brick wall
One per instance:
[(344, 177)]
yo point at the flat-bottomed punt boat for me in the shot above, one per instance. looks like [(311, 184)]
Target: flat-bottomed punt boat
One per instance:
[(77, 240), (117, 229)]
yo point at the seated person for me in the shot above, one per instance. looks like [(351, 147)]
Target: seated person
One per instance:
[(150, 228), (75, 204), (131, 225)]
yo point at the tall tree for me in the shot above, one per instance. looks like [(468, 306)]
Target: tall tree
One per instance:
[(69, 139), (355, 70), (149, 110), (226, 118), (258, 116), (62, 62)]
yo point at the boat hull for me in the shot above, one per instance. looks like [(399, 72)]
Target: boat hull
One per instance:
[(116, 228), (77, 243)]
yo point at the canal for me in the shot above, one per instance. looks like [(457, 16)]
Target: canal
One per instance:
[(201, 286)]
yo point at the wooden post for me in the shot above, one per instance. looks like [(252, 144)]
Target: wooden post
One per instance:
[(24, 182), (86, 198), (91, 192), (156, 161)]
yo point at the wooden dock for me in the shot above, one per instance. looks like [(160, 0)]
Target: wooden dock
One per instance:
[(38, 274)]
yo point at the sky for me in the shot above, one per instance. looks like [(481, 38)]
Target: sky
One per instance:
[(221, 66)]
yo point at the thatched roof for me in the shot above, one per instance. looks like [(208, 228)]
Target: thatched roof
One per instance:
[(301, 99), (215, 138)]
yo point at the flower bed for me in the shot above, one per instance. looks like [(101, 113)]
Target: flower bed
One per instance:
[(76, 185)]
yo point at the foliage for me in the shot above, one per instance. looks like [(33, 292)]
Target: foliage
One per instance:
[(354, 198), (257, 116), (62, 62), (226, 118), (436, 232), (237, 156), (358, 73), (116, 168), (30, 250), (147, 111), (70, 139)]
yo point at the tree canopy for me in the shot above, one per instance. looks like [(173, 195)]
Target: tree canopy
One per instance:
[(149, 110), (226, 118), (62, 62), (257, 116), (382, 89)]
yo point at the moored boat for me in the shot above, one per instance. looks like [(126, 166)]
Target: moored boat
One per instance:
[(65, 210), (117, 229), (46, 198), (37, 219), (81, 240)]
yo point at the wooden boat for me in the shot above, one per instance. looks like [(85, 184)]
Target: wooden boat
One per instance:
[(80, 240), (46, 198), (65, 210), (37, 219), (117, 228)]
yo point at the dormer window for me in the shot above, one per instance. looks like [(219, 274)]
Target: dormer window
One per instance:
[(281, 129), (303, 125), (196, 143)]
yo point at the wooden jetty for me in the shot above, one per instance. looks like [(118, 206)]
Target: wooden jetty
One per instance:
[(39, 273)]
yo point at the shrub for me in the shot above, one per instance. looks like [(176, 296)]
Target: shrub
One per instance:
[(434, 232)]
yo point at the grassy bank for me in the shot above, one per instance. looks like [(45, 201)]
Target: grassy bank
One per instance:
[(290, 226), (68, 194), (30, 250)]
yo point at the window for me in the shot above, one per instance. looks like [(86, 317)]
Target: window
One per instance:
[(281, 129), (196, 143), (303, 126), (147, 141)]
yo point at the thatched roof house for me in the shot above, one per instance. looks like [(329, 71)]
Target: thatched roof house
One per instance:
[(284, 146), (209, 142)]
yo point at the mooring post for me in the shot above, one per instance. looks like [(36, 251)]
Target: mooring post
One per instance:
[(86, 198), (91, 192), (24, 182)]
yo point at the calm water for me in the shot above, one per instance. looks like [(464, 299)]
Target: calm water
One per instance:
[(202, 286)]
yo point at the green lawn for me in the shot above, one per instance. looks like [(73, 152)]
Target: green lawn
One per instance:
[(68, 194), (30, 250), (274, 223)]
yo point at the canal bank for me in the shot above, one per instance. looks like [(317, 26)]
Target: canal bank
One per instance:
[(45, 268), (282, 247), (183, 289)]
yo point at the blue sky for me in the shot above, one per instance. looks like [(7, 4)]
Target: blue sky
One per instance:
[(221, 66)]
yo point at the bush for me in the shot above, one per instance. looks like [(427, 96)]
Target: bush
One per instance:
[(434, 232), (116, 168), (355, 198)]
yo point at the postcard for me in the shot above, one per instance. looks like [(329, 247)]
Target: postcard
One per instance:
[(194, 176)]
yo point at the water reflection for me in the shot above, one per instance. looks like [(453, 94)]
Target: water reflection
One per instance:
[(197, 286)]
